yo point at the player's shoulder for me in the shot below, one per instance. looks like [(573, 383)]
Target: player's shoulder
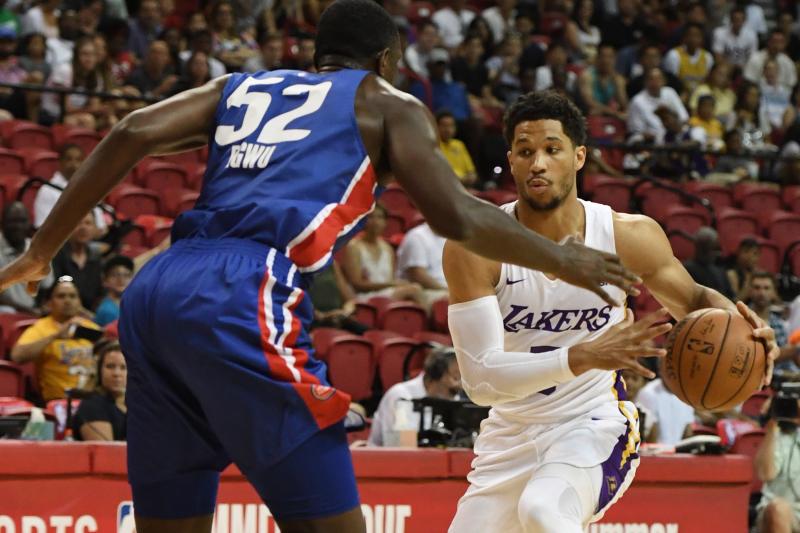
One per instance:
[(388, 99)]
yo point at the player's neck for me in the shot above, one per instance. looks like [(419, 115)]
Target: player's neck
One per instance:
[(567, 219)]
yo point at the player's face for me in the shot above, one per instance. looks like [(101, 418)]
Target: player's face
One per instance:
[(543, 162), (114, 373)]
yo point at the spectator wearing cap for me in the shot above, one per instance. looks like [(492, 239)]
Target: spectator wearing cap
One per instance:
[(117, 274), (776, 45), (453, 20), (454, 150), (80, 260), (60, 352), (145, 28), (446, 94), (418, 55), (16, 227), (103, 414), (69, 159)]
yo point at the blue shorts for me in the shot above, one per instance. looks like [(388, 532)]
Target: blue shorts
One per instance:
[(220, 370)]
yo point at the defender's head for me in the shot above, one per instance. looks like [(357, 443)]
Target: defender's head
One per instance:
[(358, 32), (546, 134)]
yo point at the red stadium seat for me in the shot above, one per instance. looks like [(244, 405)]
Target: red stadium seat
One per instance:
[(784, 228), (29, 135), (132, 202), (135, 237), (790, 194), (615, 192), (164, 177), (396, 200), (752, 406), (10, 405), (395, 224), (682, 245), (433, 336), (8, 330), (685, 218), (183, 159), (744, 188), (194, 179), (391, 350), (322, 338), (86, 139), (58, 409), (553, 24), (762, 203), (733, 225), (10, 186), (656, 201), (367, 314), (351, 366), (158, 233), (412, 219), (590, 180), (771, 258), (498, 196), (11, 381), (403, 317), (645, 303), (748, 444), (40, 163), (419, 11), (439, 315), (175, 202), (719, 195), (11, 162)]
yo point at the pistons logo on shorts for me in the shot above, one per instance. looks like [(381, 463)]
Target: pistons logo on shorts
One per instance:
[(322, 392)]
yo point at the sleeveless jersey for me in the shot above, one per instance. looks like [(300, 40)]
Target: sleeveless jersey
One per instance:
[(286, 166), (541, 314), (693, 72)]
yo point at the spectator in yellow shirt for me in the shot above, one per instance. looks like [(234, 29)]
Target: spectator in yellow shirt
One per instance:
[(454, 150), (710, 127), (63, 360)]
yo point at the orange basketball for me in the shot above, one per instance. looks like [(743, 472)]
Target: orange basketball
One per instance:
[(713, 362)]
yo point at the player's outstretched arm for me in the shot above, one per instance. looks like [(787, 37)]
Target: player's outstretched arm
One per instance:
[(644, 247), (413, 151), (178, 123)]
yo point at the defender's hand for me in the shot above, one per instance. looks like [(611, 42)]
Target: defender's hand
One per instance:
[(591, 269)]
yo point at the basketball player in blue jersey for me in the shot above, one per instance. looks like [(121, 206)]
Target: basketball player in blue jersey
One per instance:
[(560, 444), (221, 367)]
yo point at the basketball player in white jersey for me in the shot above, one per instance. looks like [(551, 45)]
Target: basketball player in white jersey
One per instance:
[(560, 444)]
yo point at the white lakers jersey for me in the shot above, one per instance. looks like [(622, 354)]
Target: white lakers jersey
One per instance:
[(541, 314)]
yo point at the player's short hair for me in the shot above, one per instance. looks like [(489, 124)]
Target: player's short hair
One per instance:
[(544, 105), (356, 29)]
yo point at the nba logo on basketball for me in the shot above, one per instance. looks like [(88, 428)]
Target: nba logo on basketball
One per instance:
[(125, 522)]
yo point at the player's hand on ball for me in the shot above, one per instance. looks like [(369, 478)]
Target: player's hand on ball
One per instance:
[(25, 269), (622, 346), (591, 269), (761, 330)]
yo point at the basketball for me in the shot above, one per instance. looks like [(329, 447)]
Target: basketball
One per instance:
[(713, 362)]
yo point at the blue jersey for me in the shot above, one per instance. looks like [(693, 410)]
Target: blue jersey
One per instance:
[(286, 166)]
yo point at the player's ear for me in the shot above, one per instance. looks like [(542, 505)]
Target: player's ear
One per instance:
[(580, 157), (383, 63)]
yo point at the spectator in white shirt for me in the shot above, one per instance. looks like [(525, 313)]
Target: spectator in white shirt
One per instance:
[(555, 60), (735, 42), (500, 18), (419, 260), (69, 160), (41, 19), (643, 123), (417, 55), (439, 379), (670, 416), (774, 96), (453, 22), (59, 49), (787, 71)]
